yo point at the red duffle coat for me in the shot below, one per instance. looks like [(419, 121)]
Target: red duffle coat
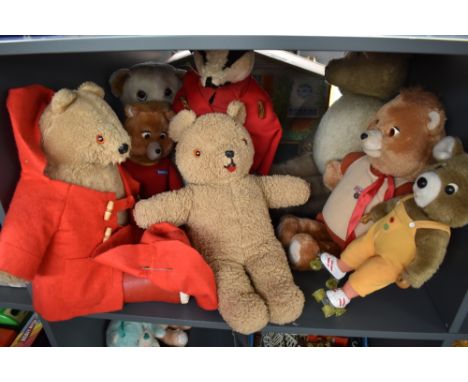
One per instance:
[(262, 122), (53, 235)]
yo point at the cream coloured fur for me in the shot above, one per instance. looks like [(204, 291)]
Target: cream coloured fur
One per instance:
[(69, 128), (226, 213)]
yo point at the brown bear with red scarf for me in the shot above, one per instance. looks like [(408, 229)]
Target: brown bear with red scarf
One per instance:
[(396, 147)]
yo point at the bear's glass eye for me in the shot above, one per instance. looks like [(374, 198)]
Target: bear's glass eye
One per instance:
[(196, 152), (167, 92), (245, 141), (394, 131), (99, 139), (163, 135), (141, 95), (451, 188), (146, 134)]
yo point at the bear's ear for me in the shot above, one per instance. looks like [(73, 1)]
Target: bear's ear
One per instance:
[(131, 111), (180, 123), (436, 121), (117, 80), (92, 88), (180, 73), (62, 100), (447, 148), (236, 110)]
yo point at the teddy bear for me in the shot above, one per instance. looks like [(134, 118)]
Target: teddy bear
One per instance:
[(397, 146), (148, 81), (70, 236), (226, 214), (408, 239), (149, 162), (126, 333), (222, 76), (366, 80)]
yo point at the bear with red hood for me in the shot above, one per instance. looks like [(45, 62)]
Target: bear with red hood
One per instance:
[(67, 229)]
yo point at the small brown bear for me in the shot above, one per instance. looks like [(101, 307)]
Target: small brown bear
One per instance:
[(149, 162), (226, 213), (408, 241), (397, 146)]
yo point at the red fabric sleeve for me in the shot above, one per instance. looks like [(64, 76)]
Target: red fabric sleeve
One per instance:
[(31, 221), (349, 159), (266, 131), (177, 105), (404, 189), (175, 180)]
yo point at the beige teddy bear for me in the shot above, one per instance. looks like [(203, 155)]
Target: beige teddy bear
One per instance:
[(226, 213)]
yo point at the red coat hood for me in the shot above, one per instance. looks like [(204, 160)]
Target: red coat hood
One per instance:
[(26, 106)]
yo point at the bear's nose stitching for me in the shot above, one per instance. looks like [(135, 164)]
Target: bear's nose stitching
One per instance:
[(123, 148), (229, 153), (422, 182), (364, 136)]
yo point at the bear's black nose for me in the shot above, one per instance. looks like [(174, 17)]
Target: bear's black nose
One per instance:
[(209, 82), (123, 148), (421, 182), (364, 136), (229, 153)]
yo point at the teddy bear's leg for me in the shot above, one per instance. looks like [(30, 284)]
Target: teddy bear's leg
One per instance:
[(240, 306), (306, 245), (272, 278)]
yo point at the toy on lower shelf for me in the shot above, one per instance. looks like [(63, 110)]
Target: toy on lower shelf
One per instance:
[(29, 333)]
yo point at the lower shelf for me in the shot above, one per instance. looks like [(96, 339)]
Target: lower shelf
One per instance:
[(390, 313)]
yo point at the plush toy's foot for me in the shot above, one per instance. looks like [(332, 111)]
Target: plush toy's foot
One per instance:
[(184, 298), (303, 249), (246, 313), (337, 298), (174, 337), (330, 263), (286, 306)]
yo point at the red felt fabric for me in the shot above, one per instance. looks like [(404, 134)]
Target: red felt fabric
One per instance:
[(53, 231), (265, 130), (154, 179)]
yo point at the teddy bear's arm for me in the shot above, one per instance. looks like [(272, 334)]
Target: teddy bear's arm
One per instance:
[(431, 246), (382, 209), (284, 191), (172, 207)]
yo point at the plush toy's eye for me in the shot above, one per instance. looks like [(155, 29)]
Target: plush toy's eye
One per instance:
[(196, 152), (451, 188), (146, 134), (167, 92), (163, 136), (394, 131), (141, 95), (245, 141), (100, 139)]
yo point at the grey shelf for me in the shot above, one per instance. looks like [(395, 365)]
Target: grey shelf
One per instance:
[(16, 298), (390, 313), (76, 44)]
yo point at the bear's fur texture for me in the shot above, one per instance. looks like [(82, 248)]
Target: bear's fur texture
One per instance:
[(226, 213)]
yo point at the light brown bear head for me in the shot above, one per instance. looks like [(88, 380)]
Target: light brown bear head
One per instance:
[(79, 128), (214, 148), (149, 81), (220, 67), (148, 125), (442, 190), (400, 139)]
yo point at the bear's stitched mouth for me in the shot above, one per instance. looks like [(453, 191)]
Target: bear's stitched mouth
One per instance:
[(231, 167)]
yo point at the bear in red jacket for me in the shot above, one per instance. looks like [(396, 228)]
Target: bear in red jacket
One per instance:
[(149, 162), (223, 76)]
